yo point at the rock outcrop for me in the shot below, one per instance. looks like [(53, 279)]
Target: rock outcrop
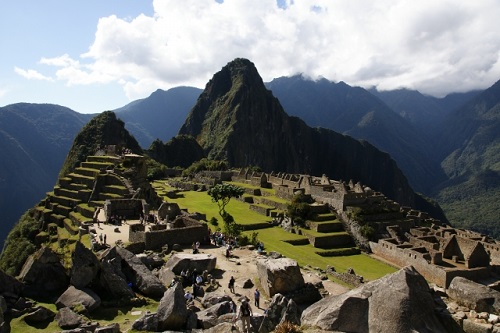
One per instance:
[(279, 275), (43, 275), (399, 302), (474, 296), (172, 311), (183, 261), (85, 266), (68, 319), (140, 276)]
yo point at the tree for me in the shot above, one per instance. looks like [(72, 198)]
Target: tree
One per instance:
[(222, 194)]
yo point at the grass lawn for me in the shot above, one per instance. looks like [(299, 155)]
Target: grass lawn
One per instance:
[(362, 264)]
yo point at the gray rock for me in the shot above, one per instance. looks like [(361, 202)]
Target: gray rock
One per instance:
[(172, 312), (113, 280), (215, 297), (67, 319), (279, 275), (474, 296), (183, 261), (148, 322), (140, 275), (247, 284), (209, 317), (471, 326), (152, 260), (39, 314), (74, 297), (222, 328), (43, 275), (399, 302), (280, 309), (192, 320), (85, 266), (112, 328), (166, 276)]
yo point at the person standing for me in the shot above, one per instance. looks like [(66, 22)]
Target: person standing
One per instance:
[(231, 284), (257, 298), (244, 314)]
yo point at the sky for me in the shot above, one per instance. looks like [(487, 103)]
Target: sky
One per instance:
[(97, 55)]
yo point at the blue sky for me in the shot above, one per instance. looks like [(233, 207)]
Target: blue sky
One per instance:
[(97, 55)]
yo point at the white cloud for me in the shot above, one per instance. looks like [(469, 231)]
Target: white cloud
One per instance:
[(31, 74), (434, 46)]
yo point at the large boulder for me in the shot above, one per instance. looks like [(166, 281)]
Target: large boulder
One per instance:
[(68, 319), (473, 295), (140, 276), (39, 314), (280, 309), (43, 275), (74, 297), (85, 266), (280, 275), (184, 261), (8, 284), (215, 297), (166, 275), (209, 317), (399, 302), (114, 282), (148, 322), (172, 312)]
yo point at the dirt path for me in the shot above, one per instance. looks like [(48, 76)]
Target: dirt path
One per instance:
[(242, 265)]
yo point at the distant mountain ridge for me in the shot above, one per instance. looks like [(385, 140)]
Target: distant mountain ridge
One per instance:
[(36, 138)]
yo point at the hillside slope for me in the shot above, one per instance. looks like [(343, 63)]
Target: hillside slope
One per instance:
[(34, 140)]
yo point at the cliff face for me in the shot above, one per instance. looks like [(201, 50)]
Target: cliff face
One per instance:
[(238, 119)]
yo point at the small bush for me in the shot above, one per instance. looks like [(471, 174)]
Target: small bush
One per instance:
[(213, 221), (367, 231), (287, 327)]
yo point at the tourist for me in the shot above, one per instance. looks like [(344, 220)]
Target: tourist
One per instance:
[(104, 239), (188, 296), (100, 238), (231, 284), (199, 279), (245, 313), (257, 298)]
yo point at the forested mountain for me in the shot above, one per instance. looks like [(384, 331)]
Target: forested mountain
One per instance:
[(470, 148), (34, 140)]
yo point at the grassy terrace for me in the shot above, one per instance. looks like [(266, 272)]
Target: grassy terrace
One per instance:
[(274, 238)]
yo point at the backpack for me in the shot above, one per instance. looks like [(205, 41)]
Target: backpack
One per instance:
[(245, 310)]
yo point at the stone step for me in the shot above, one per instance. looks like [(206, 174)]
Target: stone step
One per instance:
[(64, 201), (330, 240), (74, 186), (343, 251), (328, 226), (298, 242), (87, 172), (116, 189), (325, 217), (64, 192), (70, 226), (86, 211), (105, 196), (103, 159), (60, 209), (96, 165), (81, 179), (57, 219)]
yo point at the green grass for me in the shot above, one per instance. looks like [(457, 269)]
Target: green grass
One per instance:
[(362, 264)]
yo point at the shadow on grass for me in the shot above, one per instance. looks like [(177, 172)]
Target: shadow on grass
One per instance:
[(110, 313)]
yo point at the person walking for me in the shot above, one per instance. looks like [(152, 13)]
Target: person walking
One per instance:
[(231, 284), (244, 314), (256, 294)]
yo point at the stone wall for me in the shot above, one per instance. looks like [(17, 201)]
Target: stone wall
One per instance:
[(351, 279), (129, 208), (155, 239)]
